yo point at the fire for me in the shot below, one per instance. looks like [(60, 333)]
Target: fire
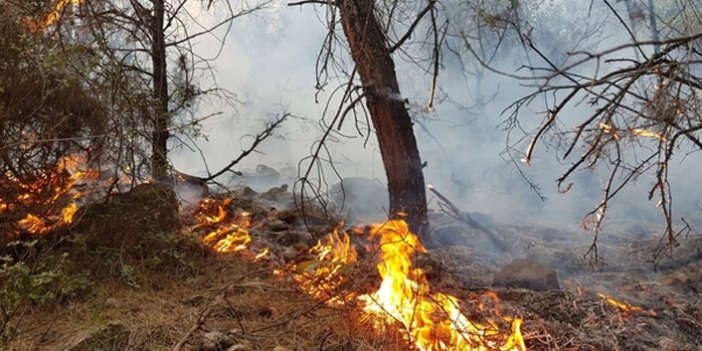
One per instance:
[(263, 254), (322, 277), (227, 232), (52, 16), (432, 321), (40, 198), (623, 307)]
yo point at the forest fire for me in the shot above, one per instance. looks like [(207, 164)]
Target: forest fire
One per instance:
[(404, 300), (431, 321), (323, 278), (52, 16), (48, 201), (227, 232)]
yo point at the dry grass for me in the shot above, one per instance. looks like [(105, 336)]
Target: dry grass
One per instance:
[(244, 299)]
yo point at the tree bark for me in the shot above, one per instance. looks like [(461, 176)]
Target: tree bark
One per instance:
[(161, 118), (392, 123)]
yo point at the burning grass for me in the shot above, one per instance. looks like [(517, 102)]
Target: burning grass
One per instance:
[(404, 302), (356, 289)]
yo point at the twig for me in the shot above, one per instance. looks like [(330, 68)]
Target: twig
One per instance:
[(453, 211), (206, 312)]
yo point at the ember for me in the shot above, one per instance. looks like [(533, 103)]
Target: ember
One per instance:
[(52, 16), (228, 232), (623, 307), (40, 198)]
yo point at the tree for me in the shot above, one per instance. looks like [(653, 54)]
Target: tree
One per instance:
[(386, 107), (45, 110), (642, 111), (146, 54), (368, 26)]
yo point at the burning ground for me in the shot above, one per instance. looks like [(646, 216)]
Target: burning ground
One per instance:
[(239, 271)]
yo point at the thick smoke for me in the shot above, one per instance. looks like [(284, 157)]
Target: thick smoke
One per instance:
[(269, 63)]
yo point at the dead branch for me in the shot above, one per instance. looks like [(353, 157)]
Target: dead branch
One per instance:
[(452, 210), (204, 314)]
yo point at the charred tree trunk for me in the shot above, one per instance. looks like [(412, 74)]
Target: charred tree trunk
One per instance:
[(393, 126), (161, 118)]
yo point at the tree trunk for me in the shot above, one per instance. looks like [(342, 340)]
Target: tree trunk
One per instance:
[(391, 120), (161, 118)]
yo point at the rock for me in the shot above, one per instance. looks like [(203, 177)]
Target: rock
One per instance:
[(276, 225), (295, 251), (265, 171), (146, 209), (527, 273), (290, 238), (277, 194), (248, 192), (110, 337), (128, 232), (683, 281), (193, 301), (215, 341)]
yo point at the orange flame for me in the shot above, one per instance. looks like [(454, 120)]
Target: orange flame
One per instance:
[(432, 321), (228, 233), (624, 307), (42, 195), (321, 278), (52, 16), (263, 254)]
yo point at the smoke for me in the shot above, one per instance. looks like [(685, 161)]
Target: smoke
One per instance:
[(269, 62)]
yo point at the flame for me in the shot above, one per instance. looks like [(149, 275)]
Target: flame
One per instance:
[(263, 254), (52, 16), (227, 232), (49, 201), (432, 321), (68, 212), (323, 277), (33, 224), (624, 307)]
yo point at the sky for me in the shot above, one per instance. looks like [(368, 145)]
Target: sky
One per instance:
[(268, 62)]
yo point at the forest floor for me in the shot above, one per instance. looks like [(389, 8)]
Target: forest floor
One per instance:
[(178, 295)]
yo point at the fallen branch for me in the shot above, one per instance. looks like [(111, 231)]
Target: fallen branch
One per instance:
[(454, 212), (218, 297)]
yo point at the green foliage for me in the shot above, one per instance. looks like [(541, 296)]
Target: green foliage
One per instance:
[(38, 282), (34, 281)]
